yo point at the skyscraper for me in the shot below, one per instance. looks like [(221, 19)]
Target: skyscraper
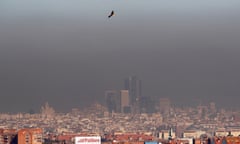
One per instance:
[(164, 106), (112, 101), (133, 85), (125, 101)]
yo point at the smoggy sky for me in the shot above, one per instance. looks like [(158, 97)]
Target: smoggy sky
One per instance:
[(67, 52)]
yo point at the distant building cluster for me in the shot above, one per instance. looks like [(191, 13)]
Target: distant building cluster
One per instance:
[(126, 118), (129, 99)]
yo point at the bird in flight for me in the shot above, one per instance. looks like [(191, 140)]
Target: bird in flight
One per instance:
[(111, 14)]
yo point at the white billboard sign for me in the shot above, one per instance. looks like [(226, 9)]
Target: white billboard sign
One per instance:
[(88, 140)]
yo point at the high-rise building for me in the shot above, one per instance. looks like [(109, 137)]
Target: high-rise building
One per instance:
[(133, 85), (112, 100), (30, 136), (164, 106), (212, 107), (8, 136), (146, 105), (125, 101)]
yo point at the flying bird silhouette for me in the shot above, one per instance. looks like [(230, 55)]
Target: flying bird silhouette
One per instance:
[(111, 14)]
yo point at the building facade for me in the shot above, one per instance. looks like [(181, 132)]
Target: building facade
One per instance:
[(112, 100), (8, 136), (125, 101), (30, 136)]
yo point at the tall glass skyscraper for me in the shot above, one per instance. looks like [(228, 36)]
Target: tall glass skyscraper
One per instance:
[(134, 86)]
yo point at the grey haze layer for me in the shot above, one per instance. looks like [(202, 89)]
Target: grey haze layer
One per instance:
[(68, 52)]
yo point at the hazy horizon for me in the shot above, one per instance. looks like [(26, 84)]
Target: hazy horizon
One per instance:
[(67, 53)]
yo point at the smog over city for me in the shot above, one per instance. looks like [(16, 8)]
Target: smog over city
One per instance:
[(70, 52)]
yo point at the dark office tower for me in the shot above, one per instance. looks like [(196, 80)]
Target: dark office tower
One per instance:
[(146, 105), (133, 85), (112, 101)]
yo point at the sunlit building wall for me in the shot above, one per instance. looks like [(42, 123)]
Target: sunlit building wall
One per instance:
[(30, 136), (125, 101)]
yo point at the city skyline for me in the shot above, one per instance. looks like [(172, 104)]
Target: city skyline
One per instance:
[(68, 53)]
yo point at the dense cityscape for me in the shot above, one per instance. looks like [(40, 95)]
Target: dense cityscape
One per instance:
[(125, 113), (187, 122)]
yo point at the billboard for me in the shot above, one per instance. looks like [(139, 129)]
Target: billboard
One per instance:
[(150, 142), (88, 140)]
